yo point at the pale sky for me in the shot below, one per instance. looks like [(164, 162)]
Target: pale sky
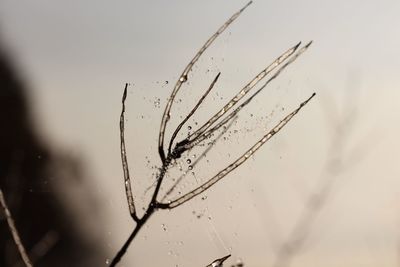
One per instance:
[(77, 55)]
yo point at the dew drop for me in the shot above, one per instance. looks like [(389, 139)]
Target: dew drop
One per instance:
[(190, 167), (189, 127), (107, 261), (188, 161), (183, 78)]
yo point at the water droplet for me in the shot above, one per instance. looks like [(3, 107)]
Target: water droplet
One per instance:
[(188, 161), (190, 167), (157, 102), (189, 127), (183, 78), (107, 261)]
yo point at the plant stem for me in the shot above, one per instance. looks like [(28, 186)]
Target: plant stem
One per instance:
[(14, 231), (127, 243)]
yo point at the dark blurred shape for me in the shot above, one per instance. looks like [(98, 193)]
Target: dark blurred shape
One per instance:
[(48, 230)]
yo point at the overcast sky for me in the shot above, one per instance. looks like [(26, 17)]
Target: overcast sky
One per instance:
[(77, 56)]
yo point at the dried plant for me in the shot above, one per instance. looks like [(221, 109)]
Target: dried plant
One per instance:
[(14, 231), (218, 262), (223, 118)]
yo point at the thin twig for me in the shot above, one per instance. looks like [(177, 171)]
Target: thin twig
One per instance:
[(14, 231), (191, 113), (179, 201), (218, 262), (125, 168), (184, 76)]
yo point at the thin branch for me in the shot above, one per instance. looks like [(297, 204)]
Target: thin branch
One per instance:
[(140, 223), (190, 115), (14, 231), (183, 78), (218, 262), (244, 91), (127, 179), (236, 163)]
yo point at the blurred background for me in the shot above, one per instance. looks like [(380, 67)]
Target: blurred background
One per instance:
[(322, 192)]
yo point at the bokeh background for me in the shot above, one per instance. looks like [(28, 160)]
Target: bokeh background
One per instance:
[(323, 192)]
